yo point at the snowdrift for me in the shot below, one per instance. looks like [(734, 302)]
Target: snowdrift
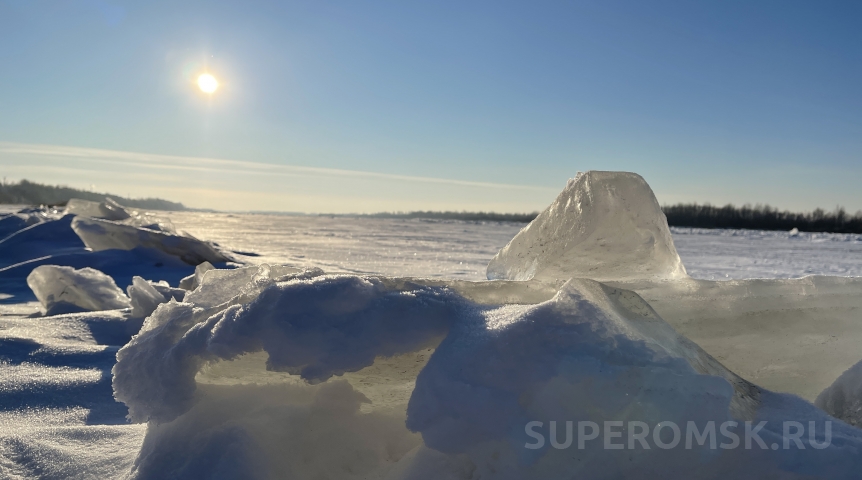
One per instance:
[(310, 375)]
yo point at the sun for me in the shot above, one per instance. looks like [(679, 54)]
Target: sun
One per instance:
[(207, 83)]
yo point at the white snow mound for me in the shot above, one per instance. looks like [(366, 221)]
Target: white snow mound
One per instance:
[(607, 226), (65, 290), (307, 375)]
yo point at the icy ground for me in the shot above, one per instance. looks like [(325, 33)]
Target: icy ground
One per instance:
[(456, 249), (57, 415)]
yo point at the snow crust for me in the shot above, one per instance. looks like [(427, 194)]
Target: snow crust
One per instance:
[(65, 290), (604, 225)]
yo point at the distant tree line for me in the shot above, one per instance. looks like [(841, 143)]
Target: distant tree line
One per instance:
[(29, 193), (761, 217), (468, 216), (758, 217)]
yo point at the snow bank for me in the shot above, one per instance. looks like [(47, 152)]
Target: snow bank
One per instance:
[(24, 218), (843, 399), (65, 290), (105, 235), (305, 375), (40, 240), (603, 225)]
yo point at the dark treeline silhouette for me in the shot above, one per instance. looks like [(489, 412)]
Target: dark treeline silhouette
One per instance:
[(468, 216), (758, 217), (761, 217), (29, 193)]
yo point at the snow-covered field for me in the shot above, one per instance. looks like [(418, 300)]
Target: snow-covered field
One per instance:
[(59, 419), (457, 249)]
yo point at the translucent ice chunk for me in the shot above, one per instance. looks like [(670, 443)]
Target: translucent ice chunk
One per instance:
[(65, 289), (109, 209), (604, 226), (843, 399), (105, 235)]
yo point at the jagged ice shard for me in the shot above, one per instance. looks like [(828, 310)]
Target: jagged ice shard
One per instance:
[(276, 372), (603, 225)]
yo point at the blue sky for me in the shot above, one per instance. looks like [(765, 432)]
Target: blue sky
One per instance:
[(434, 105)]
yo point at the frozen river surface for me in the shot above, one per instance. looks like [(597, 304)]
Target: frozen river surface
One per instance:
[(458, 249), (57, 415)]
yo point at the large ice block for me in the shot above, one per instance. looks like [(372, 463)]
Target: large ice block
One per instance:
[(105, 235), (65, 290), (603, 225)]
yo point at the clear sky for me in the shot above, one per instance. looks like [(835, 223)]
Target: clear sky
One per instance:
[(467, 105)]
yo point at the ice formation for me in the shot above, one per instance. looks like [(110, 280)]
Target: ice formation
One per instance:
[(192, 281), (275, 371), (111, 210), (788, 335), (134, 244), (106, 235), (843, 399), (305, 375), (603, 225), (64, 290), (146, 296)]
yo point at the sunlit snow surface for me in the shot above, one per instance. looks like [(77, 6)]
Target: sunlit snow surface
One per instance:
[(59, 420), (734, 254), (456, 249)]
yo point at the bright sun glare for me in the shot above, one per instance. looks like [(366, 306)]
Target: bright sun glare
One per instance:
[(207, 83)]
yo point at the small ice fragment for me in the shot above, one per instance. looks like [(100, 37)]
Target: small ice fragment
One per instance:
[(147, 296), (192, 281)]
